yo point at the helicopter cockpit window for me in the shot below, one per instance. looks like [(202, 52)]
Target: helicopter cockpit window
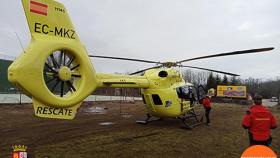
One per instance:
[(183, 92), (156, 99)]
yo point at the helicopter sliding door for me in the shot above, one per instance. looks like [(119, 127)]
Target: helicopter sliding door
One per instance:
[(186, 97)]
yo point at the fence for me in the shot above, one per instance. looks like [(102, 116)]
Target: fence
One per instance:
[(23, 99)]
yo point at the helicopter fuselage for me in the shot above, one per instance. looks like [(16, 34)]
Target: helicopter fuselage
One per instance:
[(160, 90)]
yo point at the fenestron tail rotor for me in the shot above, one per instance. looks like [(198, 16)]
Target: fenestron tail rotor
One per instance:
[(61, 73), (54, 69)]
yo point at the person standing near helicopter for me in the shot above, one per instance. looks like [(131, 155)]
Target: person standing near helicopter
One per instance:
[(259, 120), (206, 102)]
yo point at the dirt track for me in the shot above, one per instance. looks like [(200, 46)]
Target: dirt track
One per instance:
[(84, 137)]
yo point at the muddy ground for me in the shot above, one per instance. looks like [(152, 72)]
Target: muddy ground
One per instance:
[(84, 136)]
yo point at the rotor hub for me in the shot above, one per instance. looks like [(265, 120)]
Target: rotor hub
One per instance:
[(169, 64), (64, 73)]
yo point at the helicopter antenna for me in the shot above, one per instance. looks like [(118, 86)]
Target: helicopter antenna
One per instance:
[(20, 42)]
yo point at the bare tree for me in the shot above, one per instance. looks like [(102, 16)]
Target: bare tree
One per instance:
[(195, 77)]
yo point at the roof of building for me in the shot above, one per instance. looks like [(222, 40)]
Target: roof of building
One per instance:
[(7, 57)]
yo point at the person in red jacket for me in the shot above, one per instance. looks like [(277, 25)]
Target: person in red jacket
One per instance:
[(207, 106), (259, 120)]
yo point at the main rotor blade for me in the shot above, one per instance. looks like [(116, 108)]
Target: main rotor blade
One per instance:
[(130, 59), (230, 53), (222, 72), (137, 72)]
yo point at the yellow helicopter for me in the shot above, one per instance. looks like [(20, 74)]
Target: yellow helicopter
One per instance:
[(56, 71)]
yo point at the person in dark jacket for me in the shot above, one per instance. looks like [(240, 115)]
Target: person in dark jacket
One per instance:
[(259, 120), (207, 106)]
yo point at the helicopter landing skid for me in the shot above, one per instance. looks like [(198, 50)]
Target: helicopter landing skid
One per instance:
[(147, 120), (190, 115)]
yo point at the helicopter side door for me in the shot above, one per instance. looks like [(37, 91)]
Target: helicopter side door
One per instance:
[(184, 96)]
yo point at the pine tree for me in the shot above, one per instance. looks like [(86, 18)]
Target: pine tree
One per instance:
[(211, 82), (218, 80), (225, 80), (234, 81)]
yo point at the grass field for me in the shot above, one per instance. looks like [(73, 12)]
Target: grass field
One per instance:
[(84, 137)]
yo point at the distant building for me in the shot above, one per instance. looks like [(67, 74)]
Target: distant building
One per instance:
[(5, 85)]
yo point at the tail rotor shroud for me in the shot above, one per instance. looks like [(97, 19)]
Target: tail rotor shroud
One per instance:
[(54, 69), (61, 73)]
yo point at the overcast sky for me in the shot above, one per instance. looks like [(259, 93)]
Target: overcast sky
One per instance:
[(165, 30)]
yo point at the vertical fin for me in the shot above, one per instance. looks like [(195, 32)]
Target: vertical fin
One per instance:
[(48, 17)]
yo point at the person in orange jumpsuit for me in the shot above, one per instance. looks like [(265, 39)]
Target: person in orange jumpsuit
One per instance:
[(259, 120)]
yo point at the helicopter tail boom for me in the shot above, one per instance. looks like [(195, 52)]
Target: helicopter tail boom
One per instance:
[(122, 81)]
